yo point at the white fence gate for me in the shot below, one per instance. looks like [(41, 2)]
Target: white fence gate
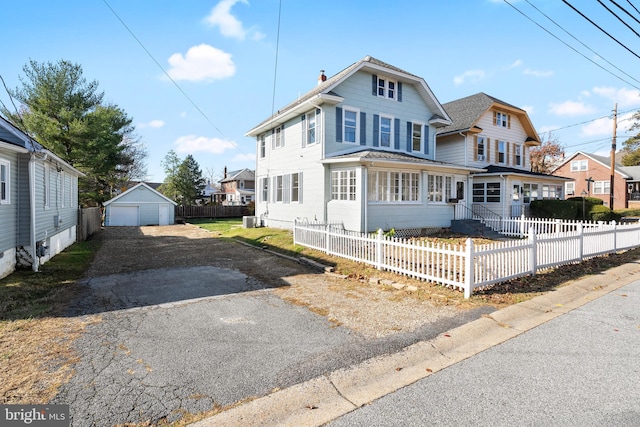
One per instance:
[(468, 267)]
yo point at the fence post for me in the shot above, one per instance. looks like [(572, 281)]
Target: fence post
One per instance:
[(468, 269), (522, 223), (533, 254), (295, 225), (615, 236), (581, 244), (379, 249), (327, 239)]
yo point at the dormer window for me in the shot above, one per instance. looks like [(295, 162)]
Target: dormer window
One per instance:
[(387, 88), (501, 119)]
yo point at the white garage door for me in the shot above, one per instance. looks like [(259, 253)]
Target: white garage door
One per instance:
[(124, 215)]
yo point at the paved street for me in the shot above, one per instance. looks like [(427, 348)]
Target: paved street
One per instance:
[(580, 369)]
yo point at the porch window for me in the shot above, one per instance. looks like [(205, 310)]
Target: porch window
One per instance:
[(5, 183), (343, 185), (530, 192), (387, 186), (439, 188), (551, 191), (486, 192)]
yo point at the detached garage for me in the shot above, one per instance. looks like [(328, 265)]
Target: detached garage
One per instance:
[(139, 205)]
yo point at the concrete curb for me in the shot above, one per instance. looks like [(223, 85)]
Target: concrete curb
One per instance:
[(322, 399)]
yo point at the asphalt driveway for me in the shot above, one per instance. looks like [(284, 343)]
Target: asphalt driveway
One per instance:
[(188, 323)]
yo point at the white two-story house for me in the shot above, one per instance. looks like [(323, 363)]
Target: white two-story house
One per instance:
[(490, 134), (358, 149)]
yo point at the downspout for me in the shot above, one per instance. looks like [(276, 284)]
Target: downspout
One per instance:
[(506, 194), (32, 204), (365, 198)]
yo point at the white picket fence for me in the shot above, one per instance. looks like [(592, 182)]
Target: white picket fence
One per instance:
[(468, 267), (520, 226)]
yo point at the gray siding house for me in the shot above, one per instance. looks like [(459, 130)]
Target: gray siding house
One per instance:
[(358, 149), (38, 201), (139, 205)]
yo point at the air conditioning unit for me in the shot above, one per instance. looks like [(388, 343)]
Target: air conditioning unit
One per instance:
[(481, 157), (249, 221)]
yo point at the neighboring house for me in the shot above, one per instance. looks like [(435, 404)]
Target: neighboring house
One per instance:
[(358, 149), (139, 205), (597, 169), (38, 201), (493, 135), (237, 187)]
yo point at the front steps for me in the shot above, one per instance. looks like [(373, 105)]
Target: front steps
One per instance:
[(474, 227)]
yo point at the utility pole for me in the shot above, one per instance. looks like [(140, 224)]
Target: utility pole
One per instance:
[(613, 154)]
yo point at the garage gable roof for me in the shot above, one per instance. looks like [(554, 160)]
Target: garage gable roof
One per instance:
[(134, 188)]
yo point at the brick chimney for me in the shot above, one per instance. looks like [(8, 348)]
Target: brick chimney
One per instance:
[(322, 78), (225, 172)]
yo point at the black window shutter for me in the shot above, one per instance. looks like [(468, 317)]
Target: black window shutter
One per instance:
[(303, 122), (396, 134), (409, 137), (338, 124), (376, 132), (363, 128), (374, 85), (399, 91)]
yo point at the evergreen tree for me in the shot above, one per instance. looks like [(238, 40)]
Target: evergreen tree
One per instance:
[(66, 114), (184, 182)]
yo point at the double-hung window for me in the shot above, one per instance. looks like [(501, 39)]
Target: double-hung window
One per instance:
[(350, 125), (279, 188), (5, 182), (278, 137), (417, 137), (263, 146), (502, 119), (312, 127), (295, 187), (601, 187), (343, 185), (502, 152), (386, 130), (569, 188), (518, 154), (578, 165), (481, 149), (265, 189)]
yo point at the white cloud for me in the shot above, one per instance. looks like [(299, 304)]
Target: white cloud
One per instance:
[(570, 108), (515, 64), (229, 25), (603, 126), (472, 75), (202, 62), (623, 96), (152, 124), (529, 109), (192, 144), (537, 73)]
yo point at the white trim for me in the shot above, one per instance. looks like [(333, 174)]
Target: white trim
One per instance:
[(141, 184), (7, 181)]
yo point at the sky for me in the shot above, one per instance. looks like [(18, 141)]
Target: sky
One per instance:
[(196, 75)]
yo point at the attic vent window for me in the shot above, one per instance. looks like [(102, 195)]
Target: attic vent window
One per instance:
[(386, 88)]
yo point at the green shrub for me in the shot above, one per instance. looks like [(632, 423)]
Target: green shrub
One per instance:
[(603, 213), (591, 200), (562, 209)]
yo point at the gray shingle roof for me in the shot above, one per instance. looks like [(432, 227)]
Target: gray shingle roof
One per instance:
[(466, 111)]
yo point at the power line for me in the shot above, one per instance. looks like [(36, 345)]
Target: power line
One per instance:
[(173, 81), (571, 47), (625, 11), (638, 11), (583, 44), (618, 18), (600, 28)]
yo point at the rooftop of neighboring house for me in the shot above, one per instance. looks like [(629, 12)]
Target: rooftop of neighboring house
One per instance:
[(242, 174), (631, 173), (465, 112), (13, 135)]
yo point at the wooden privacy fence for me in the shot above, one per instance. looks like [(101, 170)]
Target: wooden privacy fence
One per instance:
[(468, 267), (210, 211), (89, 222)]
